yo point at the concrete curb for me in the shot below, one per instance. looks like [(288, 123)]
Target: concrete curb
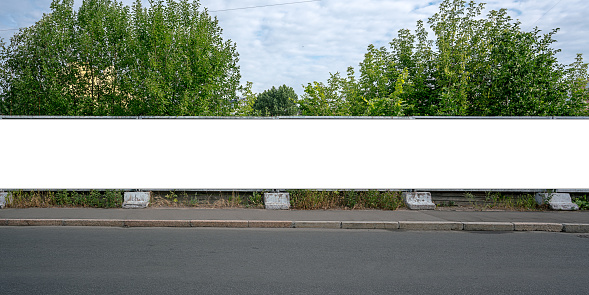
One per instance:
[(33, 222), (488, 226), (365, 225), (430, 225), (535, 226), (270, 224), (317, 224), (157, 223), (388, 225), (220, 223), (94, 222), (576, 228)]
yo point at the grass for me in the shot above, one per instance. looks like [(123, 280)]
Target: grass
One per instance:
[(323, 200), (495, 200), (299, 199), (173, 199), (522, 202), (447, 204), (583, 202), (44, 199)]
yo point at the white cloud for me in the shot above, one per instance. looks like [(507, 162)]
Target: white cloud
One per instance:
[(300, 43)]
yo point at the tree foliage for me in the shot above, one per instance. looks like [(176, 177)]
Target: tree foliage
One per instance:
[(474, 66), (279, 101), (376, 93), (110, 59)]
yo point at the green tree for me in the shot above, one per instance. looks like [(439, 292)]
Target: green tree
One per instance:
[(182, 66), (376, 93), (379, 87), (38, 66), (414, 53), (244, 106), (101, 30), (109, 59), (475, 66), (320, 99), (489, 67), (279, 101)]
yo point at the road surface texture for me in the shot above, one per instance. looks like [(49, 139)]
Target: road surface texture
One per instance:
[(99, 260)]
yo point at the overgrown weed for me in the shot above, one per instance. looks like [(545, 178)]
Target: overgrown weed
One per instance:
[(173, 199), (44, 199), (499, 201), (583, 202), (323, 200), (256, 200)]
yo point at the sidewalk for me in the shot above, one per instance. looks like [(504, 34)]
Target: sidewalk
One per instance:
[(568, 221)]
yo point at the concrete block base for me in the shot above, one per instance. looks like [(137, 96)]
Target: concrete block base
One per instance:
[(419, 201), (557, 201), (134, 200), (3, 199), (277, 201)]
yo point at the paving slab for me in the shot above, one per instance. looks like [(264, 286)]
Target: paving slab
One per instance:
[(510, 216), (151, 213), (576, 221)]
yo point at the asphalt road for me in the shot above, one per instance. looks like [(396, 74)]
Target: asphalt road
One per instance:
[(95, 260)]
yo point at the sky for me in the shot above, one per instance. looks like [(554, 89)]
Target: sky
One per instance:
[(299, 43)]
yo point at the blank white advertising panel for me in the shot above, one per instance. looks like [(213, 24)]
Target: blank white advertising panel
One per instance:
[(294, 153)]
